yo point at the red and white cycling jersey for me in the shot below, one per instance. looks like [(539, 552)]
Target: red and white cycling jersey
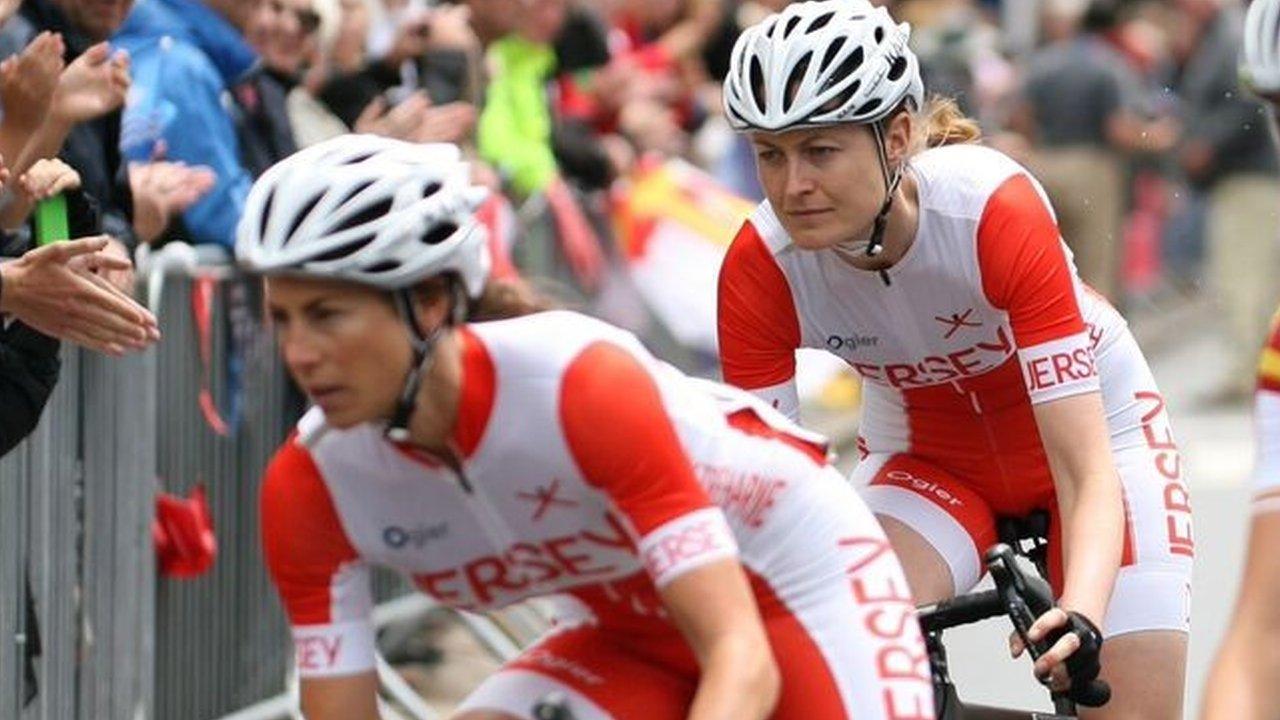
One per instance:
[(1266, 420), (981, 319), (589, 468)]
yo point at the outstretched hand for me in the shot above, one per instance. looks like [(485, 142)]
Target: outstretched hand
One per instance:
[(57, 289)]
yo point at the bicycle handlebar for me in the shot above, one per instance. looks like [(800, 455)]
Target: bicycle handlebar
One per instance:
[(1027, 598)]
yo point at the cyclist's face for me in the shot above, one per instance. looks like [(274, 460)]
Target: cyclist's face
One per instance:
[(824, 183), (343, 344)]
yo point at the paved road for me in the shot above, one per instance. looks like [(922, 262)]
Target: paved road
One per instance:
[(1217, 446)]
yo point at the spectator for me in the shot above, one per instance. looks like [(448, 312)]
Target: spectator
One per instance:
[(54, 292), (1229, 154), (429, 51), (85, 118), (186, 54), (1078, 114)]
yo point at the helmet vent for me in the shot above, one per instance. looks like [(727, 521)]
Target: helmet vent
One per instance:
[(431, 189), (266, 213), (347, 248), (365, 216), (439, 234), (898, 68), (822, 21), (791, 25), (757, 84), (869, 106), (301, 215), (832, 50), (850, 64), (355, 191), (796, 81), (382, 266), (879, 35)]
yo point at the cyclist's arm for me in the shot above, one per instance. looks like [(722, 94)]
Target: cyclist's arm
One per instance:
[(354, 697), (683, 539), (324, 587), (1025, 271), (714, 610), (1089, 499), (1246, 674), (756, 324)]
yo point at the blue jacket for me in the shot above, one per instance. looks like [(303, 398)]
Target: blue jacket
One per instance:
[(185, 58)]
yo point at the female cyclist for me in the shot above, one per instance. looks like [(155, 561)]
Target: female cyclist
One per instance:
[(711, 564), (1245, 681), (995, 384)]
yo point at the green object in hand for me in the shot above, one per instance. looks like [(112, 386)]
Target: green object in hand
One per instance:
[(51, 220)]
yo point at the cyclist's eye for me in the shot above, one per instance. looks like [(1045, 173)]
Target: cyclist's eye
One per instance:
[(768, 155)]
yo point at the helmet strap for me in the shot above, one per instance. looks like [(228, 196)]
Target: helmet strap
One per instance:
[(423, 345), (875, 243)]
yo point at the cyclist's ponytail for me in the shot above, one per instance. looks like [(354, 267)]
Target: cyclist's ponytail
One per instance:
[(504, 299), (943, 123)]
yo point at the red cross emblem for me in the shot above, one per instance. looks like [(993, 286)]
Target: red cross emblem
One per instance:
[(545, 497), (957, 321)]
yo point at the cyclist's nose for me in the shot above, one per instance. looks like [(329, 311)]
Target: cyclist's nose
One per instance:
[(800, 180)]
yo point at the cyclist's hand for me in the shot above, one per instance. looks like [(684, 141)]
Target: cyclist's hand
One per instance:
[(1063, 666)]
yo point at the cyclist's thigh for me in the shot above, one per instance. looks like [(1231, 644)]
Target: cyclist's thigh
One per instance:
[(837, 608), (1153, 587), (598, 677), (929, 508), (1146, 671)]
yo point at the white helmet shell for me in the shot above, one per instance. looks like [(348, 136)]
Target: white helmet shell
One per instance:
[(1260, 62), (822, 62), (367, 209)]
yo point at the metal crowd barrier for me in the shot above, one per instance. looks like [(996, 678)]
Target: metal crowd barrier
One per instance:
[(75, 527)]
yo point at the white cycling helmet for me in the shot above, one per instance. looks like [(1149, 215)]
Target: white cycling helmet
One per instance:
[(1260, 66), (369, 209), (821, 63)]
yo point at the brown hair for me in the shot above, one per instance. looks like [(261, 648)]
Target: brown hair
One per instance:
[(943, 123), (504, 299)]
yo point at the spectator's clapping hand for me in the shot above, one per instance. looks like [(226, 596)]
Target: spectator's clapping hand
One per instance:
[(28, 79), (44, 179), (59, 289), (452, 122), (93, 85), (162, 190), (417, 120)]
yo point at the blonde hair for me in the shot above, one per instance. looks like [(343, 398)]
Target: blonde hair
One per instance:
[(941, 122)]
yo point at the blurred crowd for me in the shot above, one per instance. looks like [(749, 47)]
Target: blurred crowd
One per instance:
[(153, 118)]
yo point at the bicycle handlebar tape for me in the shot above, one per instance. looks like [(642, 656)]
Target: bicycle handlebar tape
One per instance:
[(51, 220)]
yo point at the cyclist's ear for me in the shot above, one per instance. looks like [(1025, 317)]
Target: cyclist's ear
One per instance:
[(898, 133), (432, 302)]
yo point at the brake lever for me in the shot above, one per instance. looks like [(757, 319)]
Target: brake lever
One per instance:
[(1013, 588)]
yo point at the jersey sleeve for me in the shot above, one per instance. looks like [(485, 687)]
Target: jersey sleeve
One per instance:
[(322, 582), (1266, 423), (1026, 273), (756, 322), (624, 443)]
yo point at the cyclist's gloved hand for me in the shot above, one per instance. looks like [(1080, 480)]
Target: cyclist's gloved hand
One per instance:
[(1084, 664)]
